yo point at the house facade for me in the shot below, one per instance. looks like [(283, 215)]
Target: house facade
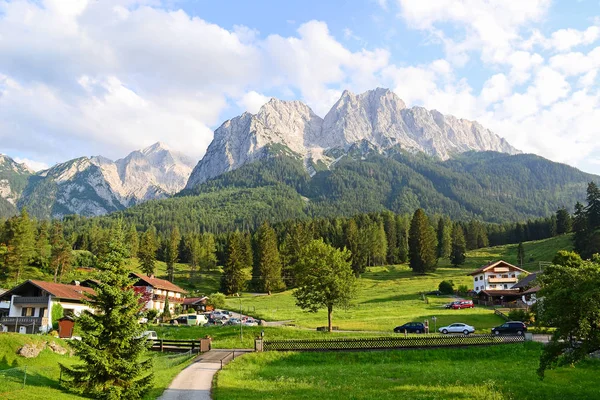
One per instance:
[(31, 304), (498, 275), (197, 304), (155, 292)]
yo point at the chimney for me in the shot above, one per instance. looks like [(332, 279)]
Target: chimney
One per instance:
[(151, 276), (76, 283)]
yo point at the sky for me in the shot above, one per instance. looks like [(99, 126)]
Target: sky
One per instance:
[(106, 77)]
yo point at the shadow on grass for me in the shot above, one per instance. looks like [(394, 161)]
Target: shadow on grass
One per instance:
[(400, 297)]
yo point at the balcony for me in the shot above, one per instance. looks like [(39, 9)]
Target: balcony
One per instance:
[(502, 280), (501, 269), (162, 297), (31, 300), (25, 321)]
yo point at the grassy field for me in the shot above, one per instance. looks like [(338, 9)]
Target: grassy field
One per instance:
[(43, 372), (490, 373)]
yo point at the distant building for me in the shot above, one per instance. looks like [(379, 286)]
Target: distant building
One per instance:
[(498, 275), (155, 292), (195, 303), (528, 288), (31, 303)]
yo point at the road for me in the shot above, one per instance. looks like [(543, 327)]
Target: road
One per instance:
[(195, 382)]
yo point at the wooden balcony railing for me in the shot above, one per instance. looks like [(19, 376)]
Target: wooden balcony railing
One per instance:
[(31, 300), (162, 297), (24, 321)]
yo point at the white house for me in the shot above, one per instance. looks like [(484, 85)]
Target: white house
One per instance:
[(31, 303), (157, 291), (498, 275)]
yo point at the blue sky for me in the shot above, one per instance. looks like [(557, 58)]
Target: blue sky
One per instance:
[(87, 77)]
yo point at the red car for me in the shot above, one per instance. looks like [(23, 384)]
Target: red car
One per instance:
[(462, 304)]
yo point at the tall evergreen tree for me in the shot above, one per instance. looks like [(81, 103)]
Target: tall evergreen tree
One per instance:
[(444, 237), (593, 208), (459, 246), (172, 252), (422, 244), (580, 229), (268, 262), (208, 253), (234, 276), (21, 245), (389, 222), (133, 241), (295, 240), (43, 249), (353, 243), (402, 227), (521, 254), (112, 348), (147, 252), (61, 255), (194, 249)]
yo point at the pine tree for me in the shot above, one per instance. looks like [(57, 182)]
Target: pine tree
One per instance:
[(353, 243), (147, 252), (61, 255), (133, 241), (402, 226), (521, 254), (580, 229), (444, 237), (112, 349), (293, 243), (268, 261), (172, 252), (166, 314), (208, 259), (43, 249), (389, 222), (593, 208), (194, 248), (422, 244), (234, 275), (21, 246), (459, 246)]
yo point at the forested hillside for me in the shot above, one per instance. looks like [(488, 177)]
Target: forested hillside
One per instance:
[(489, 186)]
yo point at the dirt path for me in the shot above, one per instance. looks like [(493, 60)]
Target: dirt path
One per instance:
[(195, 382)]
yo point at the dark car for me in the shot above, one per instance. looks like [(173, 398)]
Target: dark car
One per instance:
[(179, 321), (510, 328), (410, 327)]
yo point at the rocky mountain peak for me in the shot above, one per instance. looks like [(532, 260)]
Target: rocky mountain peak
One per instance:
[(377, 117)]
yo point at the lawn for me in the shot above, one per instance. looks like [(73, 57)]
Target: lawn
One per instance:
[(43, 372), (499, 372)]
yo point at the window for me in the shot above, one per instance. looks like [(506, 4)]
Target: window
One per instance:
[(69, 312), (492, 276), (475, 279), (505, 276), (476, 287), (492, 286), (27, 312), (513, 275)]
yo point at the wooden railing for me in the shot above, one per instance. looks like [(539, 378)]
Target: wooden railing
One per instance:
[(387, 343), (24, 321), (30, 300), (162, 297)]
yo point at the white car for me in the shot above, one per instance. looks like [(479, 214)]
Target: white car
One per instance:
[(457, 328)]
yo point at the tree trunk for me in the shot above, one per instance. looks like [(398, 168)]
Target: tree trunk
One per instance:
[(329, 311)]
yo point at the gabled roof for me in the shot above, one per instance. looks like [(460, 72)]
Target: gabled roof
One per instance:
[(194, 300), (525, 282), (158, 283), (497, 293), (493, 265), (58, 290), (534, 289)]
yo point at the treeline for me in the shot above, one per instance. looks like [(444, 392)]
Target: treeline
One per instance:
[(373, 239)]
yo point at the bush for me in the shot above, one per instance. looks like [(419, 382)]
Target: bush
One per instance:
[(446, 287), (217, 300), (191, 311), (521, 315), (152, 314), (463, 289), (57, 313)]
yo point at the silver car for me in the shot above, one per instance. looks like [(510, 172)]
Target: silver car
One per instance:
[(457, 328)]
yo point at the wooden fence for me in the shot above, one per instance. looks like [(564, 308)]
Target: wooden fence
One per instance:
[(387, 343), (195, 346)]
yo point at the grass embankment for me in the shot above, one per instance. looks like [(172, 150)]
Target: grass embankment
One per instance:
[(43, 372), (500, 372)]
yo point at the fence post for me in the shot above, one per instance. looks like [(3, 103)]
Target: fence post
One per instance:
[(193, 343), (161, 345), (24, 376)]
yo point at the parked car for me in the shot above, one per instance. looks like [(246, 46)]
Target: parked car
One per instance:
[(179, 321), (434, 293), (457, 328), (150, 335), (410, 327), (457, 305), (220, 315), (234, 321), (251, 322), (510, 328)]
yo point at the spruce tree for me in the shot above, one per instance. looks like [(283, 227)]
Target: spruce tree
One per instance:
[(593, 208), (268, 261), (295, 240), (172, 252), (112, 349), (234, 275), (147, 252), (21, 246), (459, 246), (208, 260), (61, 255), (133, 241), (353, 243), (580, 229), (43, 249), (389, 222), (194, 248), (521, 254), (422, 244), (444, 237)]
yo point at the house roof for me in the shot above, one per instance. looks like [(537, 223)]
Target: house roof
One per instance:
[(534, 289), (493, 265), (58, 290), (193, 300), (526, 282), (158, 283), (498, 293)]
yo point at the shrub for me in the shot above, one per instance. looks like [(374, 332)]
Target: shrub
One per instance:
[(463, 289), (217, 300), (446, 287), (521, 315), (57, 313), (152, 314), (191, 311)]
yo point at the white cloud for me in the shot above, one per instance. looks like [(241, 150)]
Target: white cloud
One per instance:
[(252, 101), (32, 164)]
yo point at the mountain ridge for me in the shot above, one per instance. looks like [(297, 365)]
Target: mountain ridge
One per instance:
[(378, 117)]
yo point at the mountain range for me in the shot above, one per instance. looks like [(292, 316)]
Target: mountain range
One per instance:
[(369, 153)]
